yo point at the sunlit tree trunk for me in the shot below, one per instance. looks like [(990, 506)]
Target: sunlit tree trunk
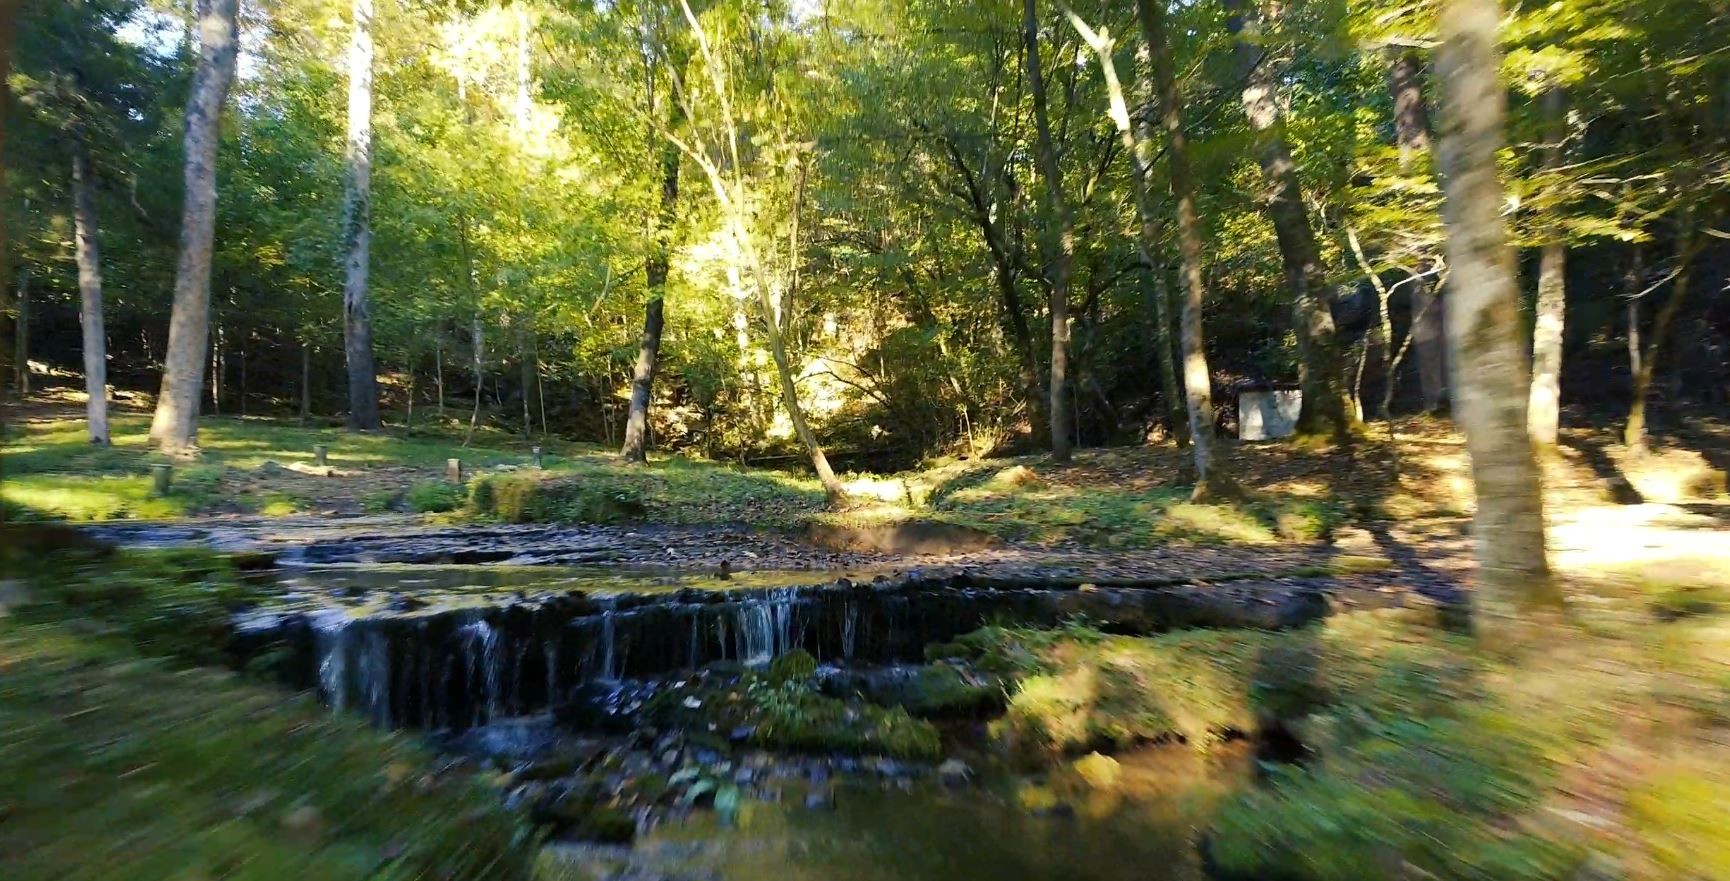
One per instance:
[(1687, 248), (1138, 146), (731, 198), (654, 313), (89, 261), (1326, 408), (1543, 411), (1197, 383), (1484, 326), (1412, 135), (1061, 431), (357, 228), (175, 425)]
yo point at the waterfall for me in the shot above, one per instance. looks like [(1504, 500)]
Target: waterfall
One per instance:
[(331, 642), (374, 674), (608, 672), (481, 652), (849, 628)]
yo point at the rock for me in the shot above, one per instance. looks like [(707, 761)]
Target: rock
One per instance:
[(820, 801), (1099, 771), (304, 824), (742, 733), (272, 468), (954, 772)]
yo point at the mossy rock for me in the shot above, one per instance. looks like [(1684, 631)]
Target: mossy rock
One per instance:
[(938, 691), (797, 665)]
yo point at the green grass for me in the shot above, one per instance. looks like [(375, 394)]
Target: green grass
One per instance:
[(125, 754)]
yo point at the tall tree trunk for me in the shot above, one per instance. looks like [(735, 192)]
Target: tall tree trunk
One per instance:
[(175, 425), (1484, 330), (216, 372), (21, 334), (439, 370), (1412, 136), (1543, 410), (363, 412), (1326, 408), (1688, 244), (1138, 146), (1197, 384), (1636, 281), (89, 260), (526, 378), (1061, 430), (8, 25), (654, 313), (480, 348), (305, 382)]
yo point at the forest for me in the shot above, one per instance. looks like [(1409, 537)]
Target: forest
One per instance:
[(682, 440), (956, 228)]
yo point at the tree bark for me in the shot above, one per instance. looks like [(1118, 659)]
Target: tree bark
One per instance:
[(1062, 439), (1484, 330), (526, 378), (1138, 146), (480, 348), (175, 425), (1412, 136), (21, 335), (439, 370), (305, 383), (89, 261), (654, 313), (1197, 383), (1688, 244), (1543, 410), (1326, 408), (363, 412)]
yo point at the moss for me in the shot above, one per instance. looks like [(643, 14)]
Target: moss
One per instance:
[(792, 716), (944, 691), (523, 498), (795, 666)]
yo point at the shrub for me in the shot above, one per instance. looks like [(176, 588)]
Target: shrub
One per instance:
[(435, 497)]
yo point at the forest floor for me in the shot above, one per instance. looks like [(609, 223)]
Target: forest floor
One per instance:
[(1129, 497)]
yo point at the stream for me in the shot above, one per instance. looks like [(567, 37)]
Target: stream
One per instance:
[(487, 651)]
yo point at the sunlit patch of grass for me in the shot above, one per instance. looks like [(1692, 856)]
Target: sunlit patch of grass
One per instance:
[(97, 497)]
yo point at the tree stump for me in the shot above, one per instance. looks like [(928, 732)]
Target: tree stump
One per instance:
[(161, 479)]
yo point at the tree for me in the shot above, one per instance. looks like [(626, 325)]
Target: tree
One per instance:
[(1543, 416), (1197, 382), (175, 425), (655, 269), (1138, 146), (89, 260), (747, 268), (1484, 318), (357, 228), (1061, 434), (1326, 408)]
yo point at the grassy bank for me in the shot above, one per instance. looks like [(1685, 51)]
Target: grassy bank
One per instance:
[(124, 753), (1601, 752), (1126, 497)]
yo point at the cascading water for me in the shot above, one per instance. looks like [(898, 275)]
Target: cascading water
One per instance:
[(456, 668)]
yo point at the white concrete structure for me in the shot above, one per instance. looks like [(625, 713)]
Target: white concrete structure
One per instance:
[(1264, 414)]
